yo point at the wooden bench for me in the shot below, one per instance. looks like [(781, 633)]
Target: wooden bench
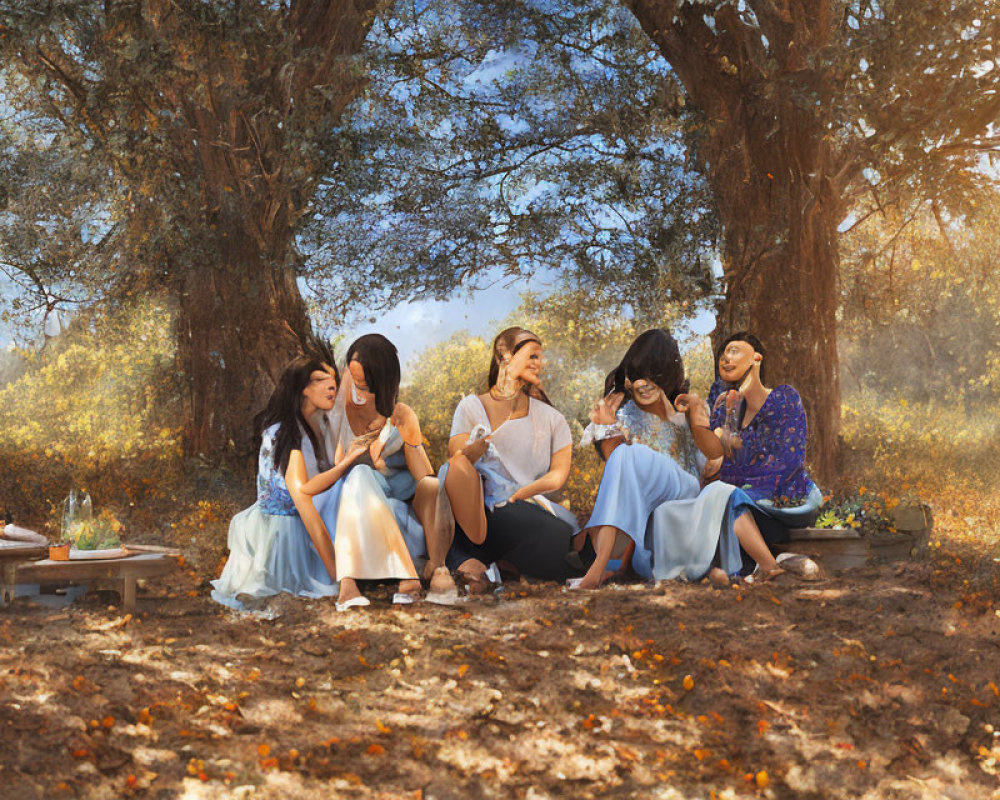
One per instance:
[(123, 572)]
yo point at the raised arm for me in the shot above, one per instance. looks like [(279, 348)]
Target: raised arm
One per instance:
[(694, 408), (406, 422)]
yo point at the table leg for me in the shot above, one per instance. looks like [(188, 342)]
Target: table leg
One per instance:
[(128, 594), (8, 574)]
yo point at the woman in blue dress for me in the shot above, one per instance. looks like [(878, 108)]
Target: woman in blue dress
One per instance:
[(280, 544), (655, 439), (385, 513), (763, 433)]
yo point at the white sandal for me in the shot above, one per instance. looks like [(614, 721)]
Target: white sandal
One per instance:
[(355, 602)]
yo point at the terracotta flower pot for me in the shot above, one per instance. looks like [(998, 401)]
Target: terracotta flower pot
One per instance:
[(59, 552)]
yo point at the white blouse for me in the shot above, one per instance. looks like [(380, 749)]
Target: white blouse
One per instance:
[(525, 445)]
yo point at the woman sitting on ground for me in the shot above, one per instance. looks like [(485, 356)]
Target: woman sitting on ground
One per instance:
[(385, 513), (655, 439), (509, 448), (280, 543), (763, 434)]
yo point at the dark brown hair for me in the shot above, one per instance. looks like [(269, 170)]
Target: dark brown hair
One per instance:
[(654, 356)]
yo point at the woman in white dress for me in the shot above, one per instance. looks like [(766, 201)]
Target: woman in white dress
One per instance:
[(385, 511), (655, 439), (509, 449), (280, 543)]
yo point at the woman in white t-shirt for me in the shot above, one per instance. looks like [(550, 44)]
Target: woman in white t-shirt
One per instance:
[(509, 448)]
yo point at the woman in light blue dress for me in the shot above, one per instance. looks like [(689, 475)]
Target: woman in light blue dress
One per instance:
[(655, 439), (280, 544)]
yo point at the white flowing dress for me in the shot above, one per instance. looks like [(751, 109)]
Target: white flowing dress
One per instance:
[(377, 534)]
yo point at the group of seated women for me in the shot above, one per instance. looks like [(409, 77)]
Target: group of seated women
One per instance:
[(347, 493)]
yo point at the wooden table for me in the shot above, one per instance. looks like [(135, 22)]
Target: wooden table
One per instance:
[(13, 554), (124, 571)]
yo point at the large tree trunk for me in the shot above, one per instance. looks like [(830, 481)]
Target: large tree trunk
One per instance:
[(239, 323), (218, 120), (764, 149)]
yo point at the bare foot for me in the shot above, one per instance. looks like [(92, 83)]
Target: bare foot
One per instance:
[(410, 587), (475, 583), (441, 581), (589, 581), (718, 578), (348, 590)]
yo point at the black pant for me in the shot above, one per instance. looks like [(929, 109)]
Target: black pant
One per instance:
[(773, 531), (524, 534)]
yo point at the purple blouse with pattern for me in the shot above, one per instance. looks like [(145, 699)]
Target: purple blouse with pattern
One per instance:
[(771, 463)]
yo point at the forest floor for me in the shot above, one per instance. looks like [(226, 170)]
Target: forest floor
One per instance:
[(877, 683)]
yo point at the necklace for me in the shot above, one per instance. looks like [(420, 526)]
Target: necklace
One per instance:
[(498, 394)]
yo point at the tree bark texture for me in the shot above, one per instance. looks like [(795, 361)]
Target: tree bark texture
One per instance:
[(219, 122), (773, 171)]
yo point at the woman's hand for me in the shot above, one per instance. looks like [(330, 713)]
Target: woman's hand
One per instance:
[(476, 450), (692, 405), (406, 422), (604, 410), (357, 449)]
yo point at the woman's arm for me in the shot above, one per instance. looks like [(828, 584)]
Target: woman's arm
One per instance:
[(554, 479), (296, 478), (406, 422), (320, 483), (693, 408)]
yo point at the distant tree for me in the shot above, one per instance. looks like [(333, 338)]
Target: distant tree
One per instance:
[(811, 111), (920, 306), (215, 121)]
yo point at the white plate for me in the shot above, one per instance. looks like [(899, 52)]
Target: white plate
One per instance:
[(91, 555)]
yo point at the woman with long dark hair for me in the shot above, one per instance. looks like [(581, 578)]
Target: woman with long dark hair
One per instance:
[(385, 513), (280, 544), (509, 449), (655, 439), (764, 435)]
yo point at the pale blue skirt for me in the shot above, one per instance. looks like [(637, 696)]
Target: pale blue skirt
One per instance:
[(677, 527), (270, 554)]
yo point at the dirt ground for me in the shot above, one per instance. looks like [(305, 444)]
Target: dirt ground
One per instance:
[(879, 683)]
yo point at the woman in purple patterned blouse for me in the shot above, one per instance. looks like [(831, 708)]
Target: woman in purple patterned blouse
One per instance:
[(764, 434)]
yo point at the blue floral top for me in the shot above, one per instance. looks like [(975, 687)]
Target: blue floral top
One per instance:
[(272, 492), (671, 437), (770, 464)]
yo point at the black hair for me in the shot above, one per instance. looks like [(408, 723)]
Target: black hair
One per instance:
[(285, 405), (508, 342), (654, 356), (380, 361), (741, 336)]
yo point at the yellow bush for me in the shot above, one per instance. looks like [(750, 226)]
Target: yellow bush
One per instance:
[(97, 408)]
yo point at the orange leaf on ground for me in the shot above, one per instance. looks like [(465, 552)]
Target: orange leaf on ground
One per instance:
[(462, 670), (263, 750), (761, 779), (688, 682), (375, 750)]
